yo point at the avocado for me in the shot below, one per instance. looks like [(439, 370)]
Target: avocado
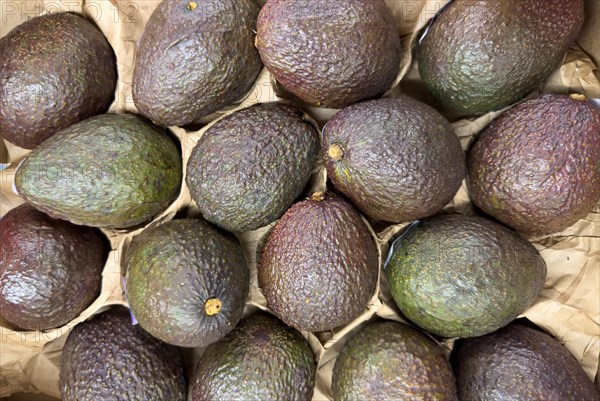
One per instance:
[(108, 358), (484, 55), (194, 58), (187, 282), (518, 363), (536, 168), (396, 159), (392, 361), (248, 169), (330, 53), (319, 265), (50, 270), (107, 171), (463, 276), (55, 70), (261, 359)]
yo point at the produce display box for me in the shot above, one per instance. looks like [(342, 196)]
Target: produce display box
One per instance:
[(568, 307)]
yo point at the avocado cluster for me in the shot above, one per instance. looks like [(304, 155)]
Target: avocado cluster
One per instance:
[(254, 246)]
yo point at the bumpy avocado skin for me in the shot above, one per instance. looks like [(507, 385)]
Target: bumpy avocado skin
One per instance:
[(519, 363), (261, 359), (400, 160), (55, 70), (483, 55), (109, 359), (319, 265), (248, 169), (194, 58), (461, 276), (50, 270), (107, 171), (174, 269), (392, 361), (537, 167), (330, 53)]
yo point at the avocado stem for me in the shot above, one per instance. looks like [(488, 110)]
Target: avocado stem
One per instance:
[(318, 196), (192, 5), (335, 152), (578, 96), (212, 306)]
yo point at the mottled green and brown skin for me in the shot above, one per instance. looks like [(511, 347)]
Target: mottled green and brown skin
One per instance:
[(518, 363), (330, 53), (261, 359), (537, 167), (460, 276), (392, 361), (187, 282), (109, 359), (482, 55), (107, 171), (194, 58), (55, 70), (50, 270), (248, 169), (319, 265), (396, 159)]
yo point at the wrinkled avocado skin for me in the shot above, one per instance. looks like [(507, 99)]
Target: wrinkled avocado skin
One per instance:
[(401, 159), (248, 169), (330, 53), (55, 70), (392, 361), (261, 359), (109, 359), (191, 61), (50, 270), (107, 171), (319, 265), (518, 363), (461, 276), (537, 167), (173, 269), (484, 55)]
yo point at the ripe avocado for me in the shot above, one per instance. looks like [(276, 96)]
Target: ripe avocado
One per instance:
[(107, 171), (55, 70), (461, 276), (519, 363), (109, 359), (396, 159), (392, 361), (194, 58), (537, 167), (486, 54), (187, 282), (261, 359), (330, 53), (319, 265), (50, 270), (248, 169)]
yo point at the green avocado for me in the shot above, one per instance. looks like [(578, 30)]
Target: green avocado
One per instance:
[(536, 168), (187, 282), (194, 58), (108, 358), (55, 70), (396, 159), (261, 359), (50, 270), (461, 276), (319, 265), (248, 169), (110, 170), (518, 363), (392, 361), (330, 53), (484, 55)]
